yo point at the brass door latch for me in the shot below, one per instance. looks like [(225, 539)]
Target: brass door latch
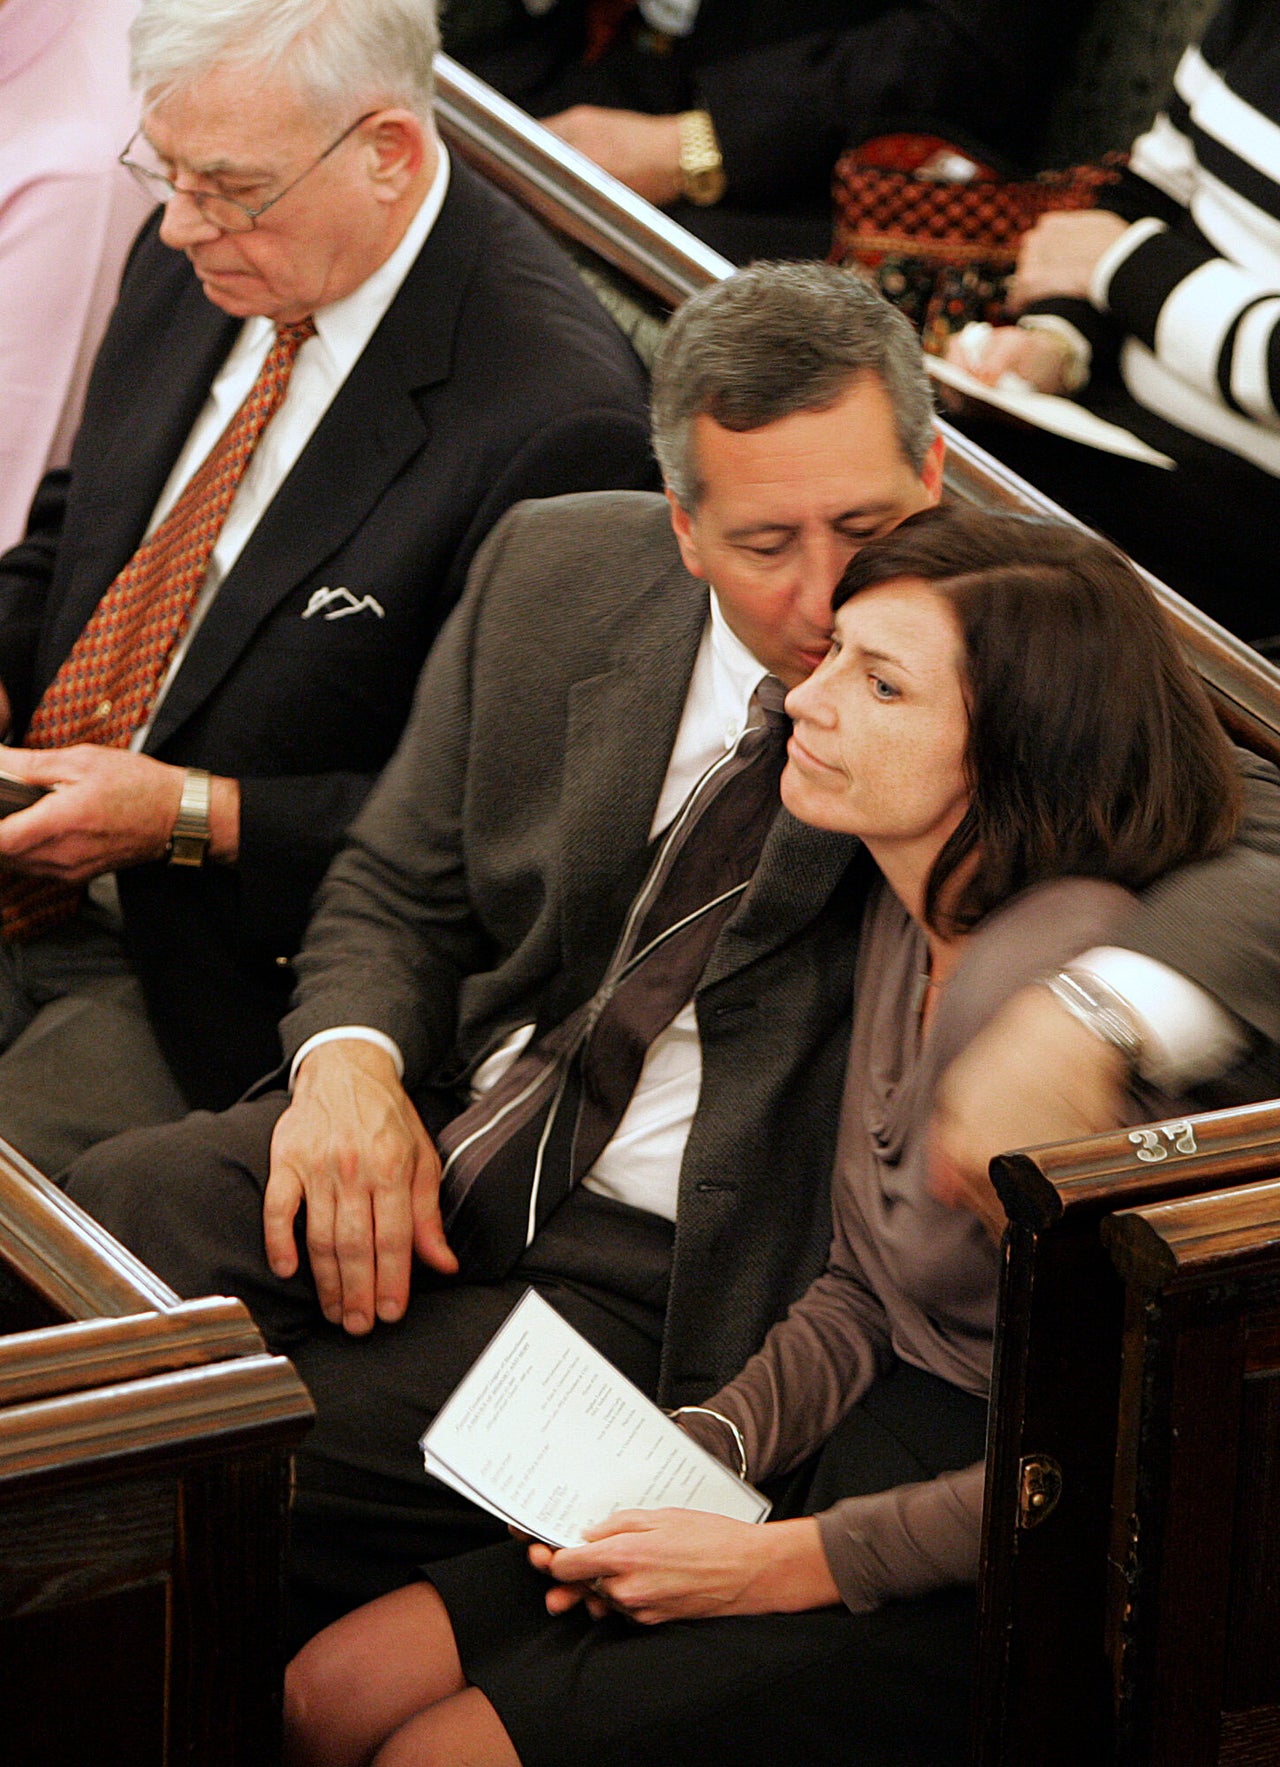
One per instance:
[(1039, 1488)]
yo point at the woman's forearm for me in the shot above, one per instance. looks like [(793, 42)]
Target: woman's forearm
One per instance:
[(793, 1570), (905, 1541)]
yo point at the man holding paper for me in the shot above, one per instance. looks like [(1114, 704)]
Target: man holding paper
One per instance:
[(573, 908)]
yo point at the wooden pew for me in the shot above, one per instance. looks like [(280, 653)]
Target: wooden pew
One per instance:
[(1044, 1692), (1193, 1620), (144, 1485)]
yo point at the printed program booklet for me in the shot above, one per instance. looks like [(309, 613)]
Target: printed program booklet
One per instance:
[(544, 1433), (1047, 411)]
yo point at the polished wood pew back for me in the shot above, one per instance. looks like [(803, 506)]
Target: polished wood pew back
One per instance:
[(1044, 1691), (144, 1485), (1193, 1618)]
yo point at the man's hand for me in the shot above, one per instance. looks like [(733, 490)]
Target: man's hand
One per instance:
[(643, 151), (353, 1147), (1039, 357), (1058, 256), (1033, 1075), (111, 808), (681, 1564)]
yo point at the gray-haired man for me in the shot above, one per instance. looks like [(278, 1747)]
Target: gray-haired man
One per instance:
[(235, 659), (582, 694)]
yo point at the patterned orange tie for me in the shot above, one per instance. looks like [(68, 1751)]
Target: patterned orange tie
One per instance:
[(104, 690)]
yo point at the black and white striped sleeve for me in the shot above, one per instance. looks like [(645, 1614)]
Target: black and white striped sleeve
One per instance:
[(1204, 295)]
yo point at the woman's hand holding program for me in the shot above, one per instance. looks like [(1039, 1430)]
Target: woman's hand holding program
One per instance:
[(682, 1564), (990, 352)]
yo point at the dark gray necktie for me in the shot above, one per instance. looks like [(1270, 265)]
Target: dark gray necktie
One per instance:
[(514, 1156)]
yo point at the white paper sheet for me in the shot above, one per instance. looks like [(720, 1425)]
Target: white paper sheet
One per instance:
[(545, 1433), (1061, 417)]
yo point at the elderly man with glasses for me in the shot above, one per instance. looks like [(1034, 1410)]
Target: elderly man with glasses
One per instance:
[(336, 360)]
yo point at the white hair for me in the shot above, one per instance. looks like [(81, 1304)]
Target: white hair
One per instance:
[(337, 54)]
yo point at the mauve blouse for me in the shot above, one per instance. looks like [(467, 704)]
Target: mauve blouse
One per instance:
[(906, 1277)]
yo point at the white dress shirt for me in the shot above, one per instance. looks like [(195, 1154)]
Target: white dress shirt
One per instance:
[(641, 1163)]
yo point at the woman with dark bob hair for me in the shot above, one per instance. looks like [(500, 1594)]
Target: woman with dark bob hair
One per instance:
[(1006, 721)]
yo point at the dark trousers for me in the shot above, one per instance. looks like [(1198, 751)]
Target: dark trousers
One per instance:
[(187, 1199)]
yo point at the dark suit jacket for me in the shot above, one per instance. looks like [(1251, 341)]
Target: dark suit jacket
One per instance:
[(494, 376), (485, 882)]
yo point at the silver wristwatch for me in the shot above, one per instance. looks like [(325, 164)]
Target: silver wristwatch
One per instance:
[(189, 842)]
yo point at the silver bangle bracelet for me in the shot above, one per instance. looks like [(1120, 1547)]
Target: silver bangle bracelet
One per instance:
[(1099, 1009), (729, 1424)]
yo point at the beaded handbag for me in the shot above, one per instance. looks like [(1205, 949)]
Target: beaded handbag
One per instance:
[(938, 231)]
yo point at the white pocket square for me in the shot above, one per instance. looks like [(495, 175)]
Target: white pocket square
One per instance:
[(336, 604)]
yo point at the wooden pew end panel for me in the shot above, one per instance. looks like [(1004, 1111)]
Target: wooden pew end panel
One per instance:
[(1193, 1611), (145, 1477)]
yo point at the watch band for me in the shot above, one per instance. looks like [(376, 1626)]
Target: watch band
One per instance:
[(1077, 360), (701, 162), (189, 842)]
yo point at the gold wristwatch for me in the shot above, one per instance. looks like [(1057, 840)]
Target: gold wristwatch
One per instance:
[(701, 162), (189, 842)]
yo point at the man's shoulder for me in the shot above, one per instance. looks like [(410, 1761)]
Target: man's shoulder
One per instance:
[(154, 273), (481, 207), (162, 323), (592, 533), (526, 315), (566, 591), (570, 572)]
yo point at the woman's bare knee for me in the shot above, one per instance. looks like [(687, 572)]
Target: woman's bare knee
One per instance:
[(463, 1731), (361, 1678)]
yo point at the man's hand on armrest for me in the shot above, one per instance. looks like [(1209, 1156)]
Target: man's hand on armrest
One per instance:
[(643, 151), (352, 1146)]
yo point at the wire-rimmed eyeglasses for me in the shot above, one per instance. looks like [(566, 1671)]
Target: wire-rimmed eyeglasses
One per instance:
[(223, 212)]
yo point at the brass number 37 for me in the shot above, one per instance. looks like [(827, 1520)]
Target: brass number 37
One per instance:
[(1180, 1136)]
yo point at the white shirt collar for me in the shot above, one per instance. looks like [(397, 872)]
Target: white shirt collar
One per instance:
[(737, 673), (345, 326)]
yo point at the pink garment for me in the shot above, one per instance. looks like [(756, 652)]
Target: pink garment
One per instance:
[(67, 216)]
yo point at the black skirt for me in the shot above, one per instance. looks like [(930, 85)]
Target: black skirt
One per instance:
[(889, 1689)]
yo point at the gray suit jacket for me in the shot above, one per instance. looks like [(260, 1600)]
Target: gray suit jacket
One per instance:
[(484, 884)]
